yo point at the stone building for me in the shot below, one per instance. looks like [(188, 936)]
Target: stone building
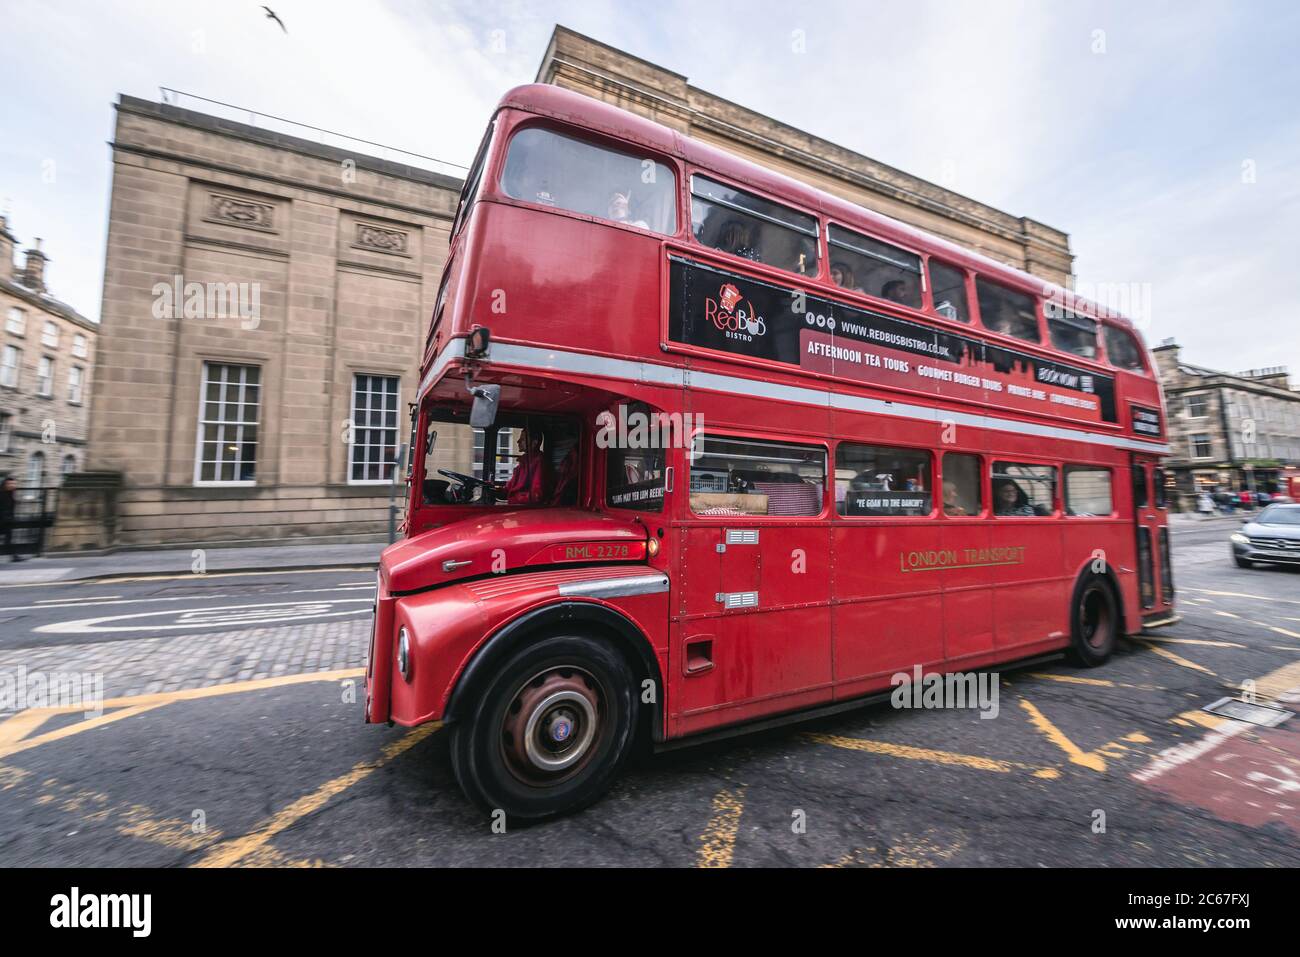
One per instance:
[(47, 357), (260, 292), (227, 425), (579, 63), (1230, 431)]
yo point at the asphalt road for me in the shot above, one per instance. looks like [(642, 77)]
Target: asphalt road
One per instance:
[(269, 763)]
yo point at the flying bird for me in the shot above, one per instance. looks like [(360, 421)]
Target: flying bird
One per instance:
[(270, 15)]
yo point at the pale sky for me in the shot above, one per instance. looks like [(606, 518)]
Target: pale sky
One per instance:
[(1163, 137)]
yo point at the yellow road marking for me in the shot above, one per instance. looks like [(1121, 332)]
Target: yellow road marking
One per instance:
[(718, 842), (1226, 614), (1054, 734), (236, 850), (1074, 679), (1283, 631), (69, 730), (1094, 682), (1178, 659), (21, 725), (911, 753), (13, 733), (1193, 641)]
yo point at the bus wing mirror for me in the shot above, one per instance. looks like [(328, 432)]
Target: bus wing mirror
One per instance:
[(484, 411)]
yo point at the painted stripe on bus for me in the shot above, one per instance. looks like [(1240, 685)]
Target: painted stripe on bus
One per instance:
[(530, 357)]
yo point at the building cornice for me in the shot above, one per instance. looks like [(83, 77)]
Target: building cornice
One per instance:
[(47, 303)]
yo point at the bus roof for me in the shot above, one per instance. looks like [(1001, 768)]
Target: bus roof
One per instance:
[(547, 100)]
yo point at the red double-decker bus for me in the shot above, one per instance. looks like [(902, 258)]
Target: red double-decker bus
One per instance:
[(698, 447)]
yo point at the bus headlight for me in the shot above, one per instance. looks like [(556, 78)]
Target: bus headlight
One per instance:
[(404, 653), (1239, 538)]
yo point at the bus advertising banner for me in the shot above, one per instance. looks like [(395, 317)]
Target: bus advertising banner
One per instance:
[(717, 309)]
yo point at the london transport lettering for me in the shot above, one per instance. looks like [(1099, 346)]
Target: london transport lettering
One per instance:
[(717, 309), (934, 559)]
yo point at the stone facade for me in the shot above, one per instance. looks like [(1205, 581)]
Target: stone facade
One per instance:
[(47, 359), (283, 278), (1229, 431), (579, 63), (342, 253)]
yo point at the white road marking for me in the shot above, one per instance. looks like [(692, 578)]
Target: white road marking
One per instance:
[(240, 616), (91, 603)]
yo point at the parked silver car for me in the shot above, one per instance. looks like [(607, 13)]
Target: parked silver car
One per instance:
[(1272, 537)]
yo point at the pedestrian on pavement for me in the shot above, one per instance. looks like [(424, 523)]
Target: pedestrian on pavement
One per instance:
[(1204, 504), (7, 488)]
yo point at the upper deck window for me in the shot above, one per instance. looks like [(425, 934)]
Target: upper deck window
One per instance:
[(752, 227), (948, 284), (551, 169), (1071, 331), (1123, 350), (866, 265), (1007, 311)]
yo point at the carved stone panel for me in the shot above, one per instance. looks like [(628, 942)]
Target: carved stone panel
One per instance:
[(239, 211)]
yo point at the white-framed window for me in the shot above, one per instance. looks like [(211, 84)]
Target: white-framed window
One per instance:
[(16, 321), (36, 470), (6, 430), (1198, 405), (79, 346), (74, 384), (374, 428), (226, 445), (1202, 446), (9, 364), (45, 376), (50, 334), (69, 465)]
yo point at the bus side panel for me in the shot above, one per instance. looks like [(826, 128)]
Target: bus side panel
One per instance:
[(1031, 598), (888, 604)]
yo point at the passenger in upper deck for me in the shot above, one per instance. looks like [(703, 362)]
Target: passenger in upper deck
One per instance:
[(620, 209), (895, 291), (842, 276), (734, 238)]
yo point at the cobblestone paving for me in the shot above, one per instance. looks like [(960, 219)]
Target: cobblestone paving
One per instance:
[(151, 665)]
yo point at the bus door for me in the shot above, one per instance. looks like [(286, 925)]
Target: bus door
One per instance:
[(1151, 523)]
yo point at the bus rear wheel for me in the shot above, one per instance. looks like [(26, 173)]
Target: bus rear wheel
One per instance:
[(1094, 625), (550, 730)]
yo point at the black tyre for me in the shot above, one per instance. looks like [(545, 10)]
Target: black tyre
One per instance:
[(1094, 622), (549, 731), (1243, 562)]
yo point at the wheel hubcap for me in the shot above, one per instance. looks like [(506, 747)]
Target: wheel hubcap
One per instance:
[(552, 726)]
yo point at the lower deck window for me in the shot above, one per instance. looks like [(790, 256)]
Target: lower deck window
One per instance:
[(740, 476), (1087, 491), (877, 480), (1023, 490)]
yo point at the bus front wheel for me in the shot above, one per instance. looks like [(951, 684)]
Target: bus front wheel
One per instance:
[(550, 730), (1094, 625)]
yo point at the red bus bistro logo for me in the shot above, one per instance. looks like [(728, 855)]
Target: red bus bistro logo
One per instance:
[(132, 911), (733, 316)]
